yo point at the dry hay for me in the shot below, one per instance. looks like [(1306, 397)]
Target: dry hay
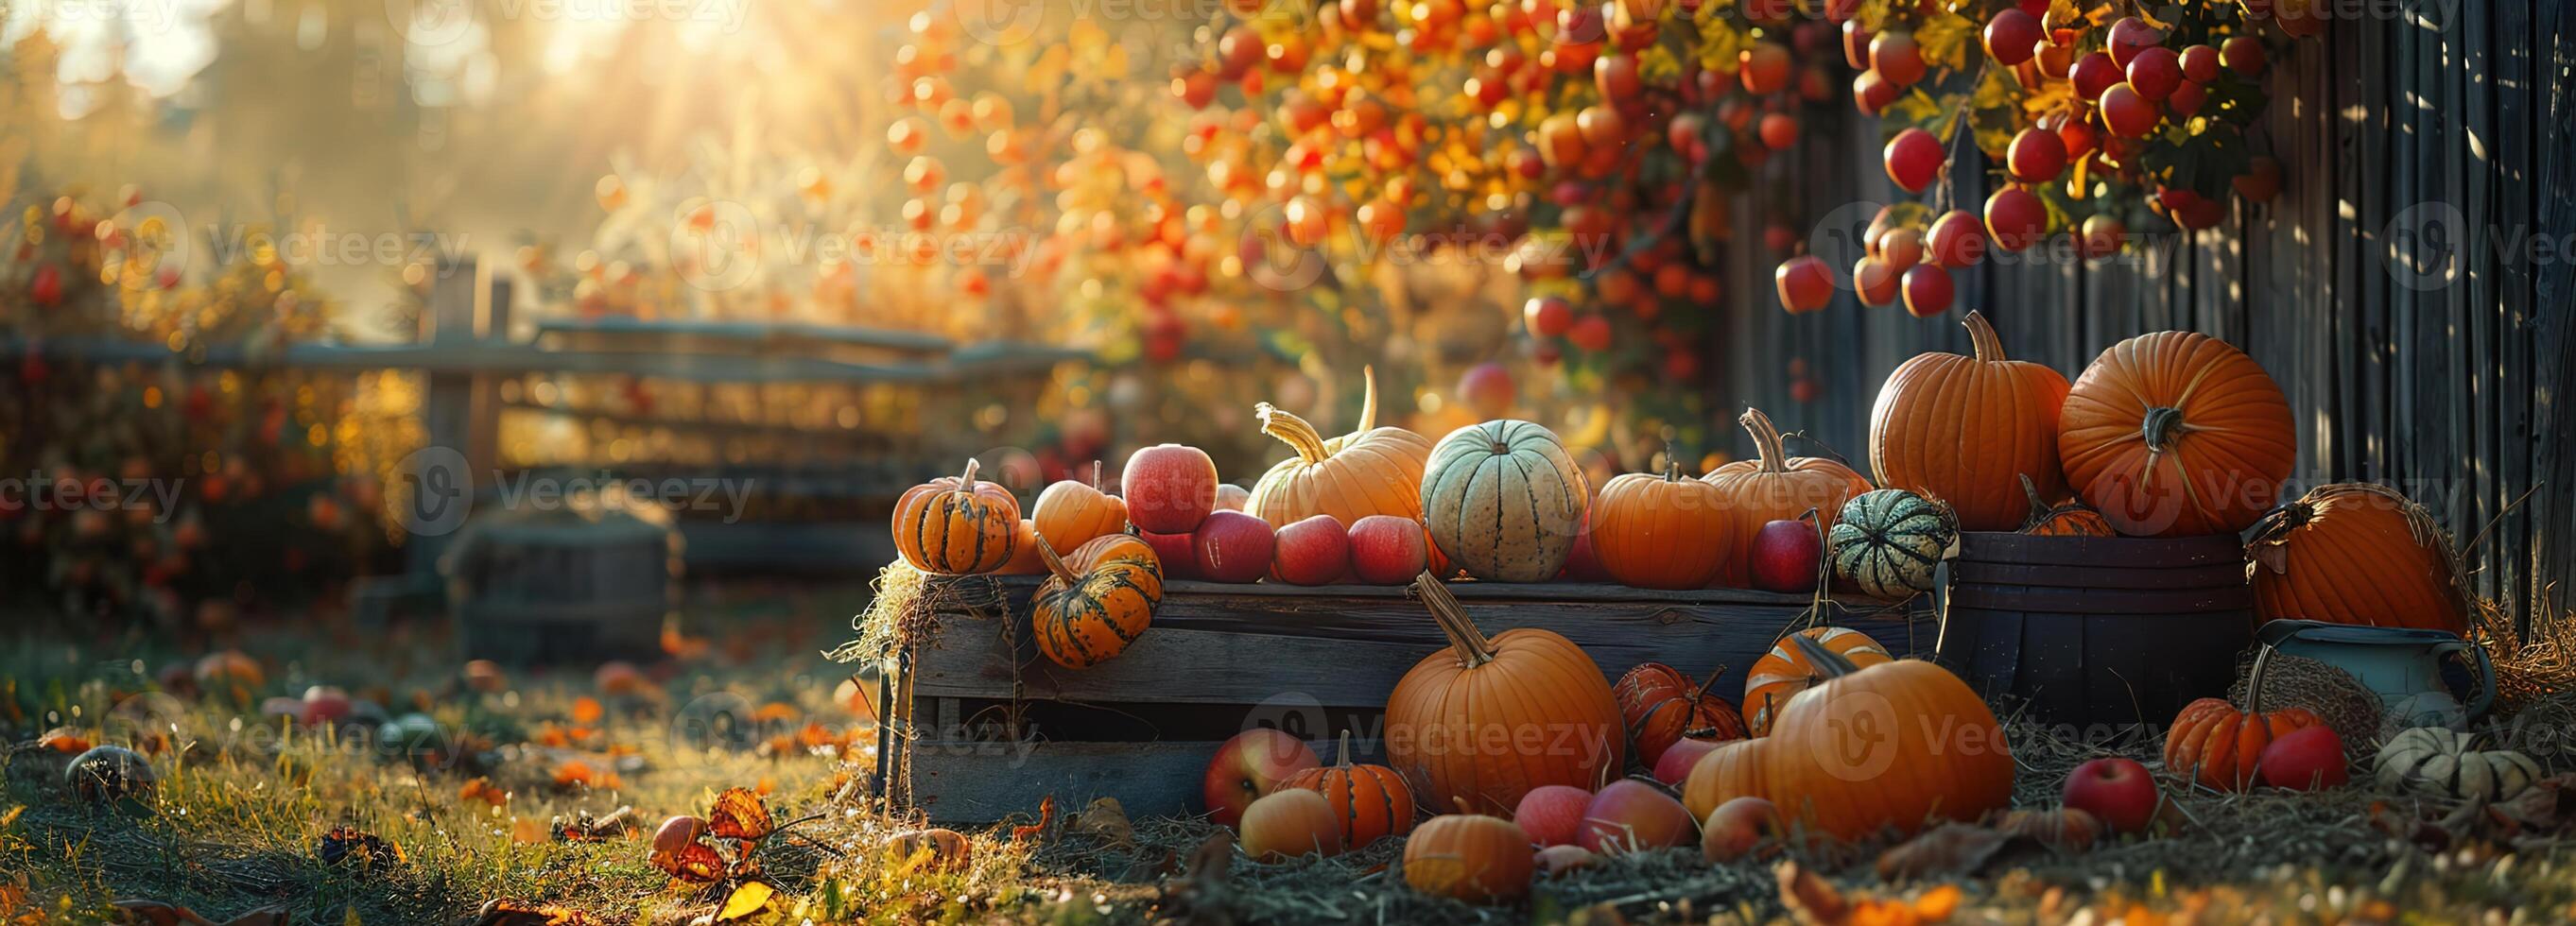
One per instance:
[(2535, 709), (2351, 709), (906, 606)]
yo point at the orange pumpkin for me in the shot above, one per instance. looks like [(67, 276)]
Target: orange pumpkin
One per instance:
[(2215, 744), (956, 525), (1889, 746), (1958, 429), (1068, 514), (1025, 560), (1662, 706), (1469, 857), (1775, 486), (1661, 531), (2071, 519), (2355, 553), (1099, 599), (1371, 801), (1369, 471), (1487, 719), (1784, 671), (1730, 771), (2177, 434)]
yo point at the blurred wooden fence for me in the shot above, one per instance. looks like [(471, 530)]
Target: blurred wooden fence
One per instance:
[(2410, 288)]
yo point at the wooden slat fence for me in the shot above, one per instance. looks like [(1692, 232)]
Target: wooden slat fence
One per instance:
[(2441, 136)]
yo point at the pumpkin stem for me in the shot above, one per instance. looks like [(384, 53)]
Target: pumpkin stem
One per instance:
[(1055, 563), (1672, 464), (1981, 337), (1828, 663), (1294, 430), (1368, 400), (1473, 649), (2162, 425), (1342, 757), (2254, 684), (1766, 440), (966, 481), (1095, 474), (2039, 507), (1704, 687)]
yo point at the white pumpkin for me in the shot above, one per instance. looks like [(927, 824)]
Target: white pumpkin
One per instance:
[(1503, 500), (2435, 760)]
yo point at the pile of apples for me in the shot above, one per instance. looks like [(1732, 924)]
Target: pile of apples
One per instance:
[(1197, 527)]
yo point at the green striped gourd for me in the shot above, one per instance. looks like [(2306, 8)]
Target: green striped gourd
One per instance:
[(1503, 500), (1888, 540)]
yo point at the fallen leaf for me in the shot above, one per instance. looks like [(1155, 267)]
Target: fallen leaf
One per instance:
[(1046, 815), (516, 913), (698, 863), (1106, 819), (747, 898), (586, 710), (739, 814), (481, 789), (1948, 849), (349, 843), (1811, 899)]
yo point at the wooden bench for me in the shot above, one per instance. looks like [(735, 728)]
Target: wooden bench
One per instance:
[(980, 726)]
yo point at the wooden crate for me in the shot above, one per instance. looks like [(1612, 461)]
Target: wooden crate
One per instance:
[(980, 726)]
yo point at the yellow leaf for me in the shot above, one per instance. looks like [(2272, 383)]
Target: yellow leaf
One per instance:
[(747, 899), (1944, 40), (12, 816)]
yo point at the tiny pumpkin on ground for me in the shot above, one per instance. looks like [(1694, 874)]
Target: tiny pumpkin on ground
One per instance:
[(2220, 747), (1662, 706), (1371, 801), (1469, 857)]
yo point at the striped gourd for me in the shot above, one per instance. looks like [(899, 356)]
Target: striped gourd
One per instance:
[(2439, 760), (1888, 540), (1503, 500), (1785, 671)]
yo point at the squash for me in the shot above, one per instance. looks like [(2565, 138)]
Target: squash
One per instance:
[(1662, 531), (2355, 553), (1487, 719), (1784, 671), (1888, 542), (1661, 706), (956, 525), (1774, 486), (1371, 802), (1730, 771), (2220, 747), (2440, 761), (1068, 514), (1470, 857), (2071, 519), (1378, 471), (1887, 746), (1099, 599), (2176, 434), (1960, 428), (1503, 500)]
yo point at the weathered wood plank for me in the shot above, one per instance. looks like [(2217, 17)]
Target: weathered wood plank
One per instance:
[(984, 782)]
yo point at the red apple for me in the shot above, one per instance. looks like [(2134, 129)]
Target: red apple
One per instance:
[(1169, 488), (1315, 551), (1551, 814), (1674, 766), (1180, 561), (1249, 766), (1581, 565), (1231, 546), (2119, 792), (2309, 759), (1738, 828), (1557, 860), (1286, 824), (1230, 497), (1785, 555), (1631, 815), (324, 704), (1388, 549), (1487, 390)]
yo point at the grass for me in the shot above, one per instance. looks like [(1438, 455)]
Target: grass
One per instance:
[(243, 802)]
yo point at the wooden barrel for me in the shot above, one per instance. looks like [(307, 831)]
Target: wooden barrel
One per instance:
[(2097, 630)]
